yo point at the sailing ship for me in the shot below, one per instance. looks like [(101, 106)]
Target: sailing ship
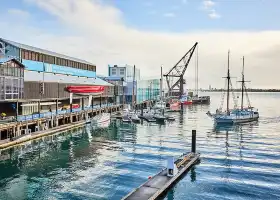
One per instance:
[(236, 115)]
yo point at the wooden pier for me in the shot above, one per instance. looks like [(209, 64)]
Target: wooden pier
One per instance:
[(159, 184), (11, 132), (47, 125)]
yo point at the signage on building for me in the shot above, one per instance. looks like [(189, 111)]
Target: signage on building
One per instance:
[(51, 68)]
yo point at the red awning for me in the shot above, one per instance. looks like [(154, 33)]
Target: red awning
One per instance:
[(85, 89)]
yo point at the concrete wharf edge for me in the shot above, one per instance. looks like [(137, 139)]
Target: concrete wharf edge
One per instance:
[(43, 133), (166, 185)]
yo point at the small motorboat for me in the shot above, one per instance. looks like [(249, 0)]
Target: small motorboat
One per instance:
[(159, 105), (135, 118), (126, 119), (170, 118), (159, 118), (186, 100), (101, 121)]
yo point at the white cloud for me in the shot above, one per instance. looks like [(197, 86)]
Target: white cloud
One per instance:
[(213, 14), (208, 6), (18, 13), (97, 32), (184, 1), (170, 14)]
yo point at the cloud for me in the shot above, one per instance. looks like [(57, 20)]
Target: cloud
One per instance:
[(213, 14), (97, 32), (169, 14), (208, 6), (184, 1), (18, 13)]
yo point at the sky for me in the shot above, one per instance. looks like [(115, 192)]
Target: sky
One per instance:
[(151, 33)]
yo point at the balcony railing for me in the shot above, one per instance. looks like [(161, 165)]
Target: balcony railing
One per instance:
[(60, 112)]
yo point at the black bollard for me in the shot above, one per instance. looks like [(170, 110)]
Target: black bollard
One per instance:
[(142, 109), (193, 141)]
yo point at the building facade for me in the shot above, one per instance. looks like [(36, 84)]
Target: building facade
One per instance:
[(29, 75), (144, 90), (124, 71), (127, 73), (148, 90)]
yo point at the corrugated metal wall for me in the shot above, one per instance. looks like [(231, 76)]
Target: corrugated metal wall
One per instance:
[(32, 90)]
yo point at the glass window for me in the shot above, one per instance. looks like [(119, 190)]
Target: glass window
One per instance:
[(26, 55), (114, 71), (2, 88), (33, 56), (122, 72), (36, 56), (1, 70)]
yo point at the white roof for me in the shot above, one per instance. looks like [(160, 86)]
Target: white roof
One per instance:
[(39, 50)]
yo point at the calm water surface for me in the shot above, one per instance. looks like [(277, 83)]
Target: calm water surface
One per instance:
[(237, 162)]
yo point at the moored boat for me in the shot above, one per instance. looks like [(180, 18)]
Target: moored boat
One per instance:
[(102, 120), (236, 115), (126, 119), (175, 106), (135, 118), (159, 118), (186, 100)]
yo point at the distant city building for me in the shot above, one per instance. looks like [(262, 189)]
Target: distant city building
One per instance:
[(124, 71), (148, 90), (143, 89)]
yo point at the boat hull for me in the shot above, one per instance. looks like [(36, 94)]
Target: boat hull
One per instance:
[(187, 102), (236, 120), (201, 100)]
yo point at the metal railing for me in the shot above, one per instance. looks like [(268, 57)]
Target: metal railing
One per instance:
[(22, 118)]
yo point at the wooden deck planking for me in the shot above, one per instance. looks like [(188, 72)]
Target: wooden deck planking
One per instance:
[(157, 185)]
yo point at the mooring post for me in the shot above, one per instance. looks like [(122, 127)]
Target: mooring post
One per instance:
[(193, 141)]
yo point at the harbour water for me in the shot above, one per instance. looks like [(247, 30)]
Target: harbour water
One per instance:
[(240, 162)]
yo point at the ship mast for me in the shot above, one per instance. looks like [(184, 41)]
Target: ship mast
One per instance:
[(243, 84), (228, 83), (161, 88)]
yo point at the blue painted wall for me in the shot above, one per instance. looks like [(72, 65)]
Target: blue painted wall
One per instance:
[(51, 68), (7, 50)]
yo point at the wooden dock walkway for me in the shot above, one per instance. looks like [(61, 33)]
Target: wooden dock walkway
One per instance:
[(40, 134), (158, 185)]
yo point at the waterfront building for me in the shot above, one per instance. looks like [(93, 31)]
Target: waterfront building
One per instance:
[(119, 85), (33, 80), (126, 72), (148, 90)]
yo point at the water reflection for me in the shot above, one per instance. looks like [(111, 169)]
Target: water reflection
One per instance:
[(237, 162), (193, 174)]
